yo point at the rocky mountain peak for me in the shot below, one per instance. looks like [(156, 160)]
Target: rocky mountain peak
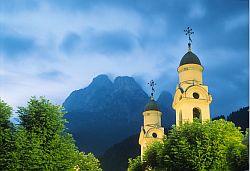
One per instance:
[(125, 82), (101, 81)]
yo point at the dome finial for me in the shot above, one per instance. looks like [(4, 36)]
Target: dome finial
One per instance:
[(152, 84), (189, 47), (189, 32)]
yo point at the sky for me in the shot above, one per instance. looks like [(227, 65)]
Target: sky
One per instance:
[(50, 48)]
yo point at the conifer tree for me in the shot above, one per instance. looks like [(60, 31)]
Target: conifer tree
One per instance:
[(6, 136)]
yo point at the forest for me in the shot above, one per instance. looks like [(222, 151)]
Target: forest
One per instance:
[(40, 142)]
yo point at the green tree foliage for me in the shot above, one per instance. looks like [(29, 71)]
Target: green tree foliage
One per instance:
[(238, 157), (152, 155), (214, 145), (41, 142), (41, 138), (135, 164), (6, 136), (88, 162)]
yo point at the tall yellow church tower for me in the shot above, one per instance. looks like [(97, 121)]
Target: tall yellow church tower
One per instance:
[(192, 98), (151, 130)]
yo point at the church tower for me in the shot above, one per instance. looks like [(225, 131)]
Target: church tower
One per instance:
[(151, 130), (192, 98)]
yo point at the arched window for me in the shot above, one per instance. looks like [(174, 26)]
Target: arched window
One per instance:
[(180, 117), (197, 113)]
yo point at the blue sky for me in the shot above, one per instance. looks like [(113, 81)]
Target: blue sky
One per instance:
[(50, 48)]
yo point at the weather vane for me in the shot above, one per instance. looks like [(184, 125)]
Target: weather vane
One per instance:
[(189, 32), (152, 84)]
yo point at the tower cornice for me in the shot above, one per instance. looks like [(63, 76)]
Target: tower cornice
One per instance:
[(190, 67)]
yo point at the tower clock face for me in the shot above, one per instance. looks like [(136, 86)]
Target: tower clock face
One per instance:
[(196, 95), (154, 135)]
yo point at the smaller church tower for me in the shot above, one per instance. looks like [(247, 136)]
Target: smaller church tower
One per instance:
[(192, 98), (151, 130)]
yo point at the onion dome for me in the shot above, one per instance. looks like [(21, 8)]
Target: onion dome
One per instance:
[(151, 105), (190, 58)]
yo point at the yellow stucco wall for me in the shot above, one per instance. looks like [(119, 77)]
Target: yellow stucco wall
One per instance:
[(152, 125), (190, 82), (190, 72), (152, 118)]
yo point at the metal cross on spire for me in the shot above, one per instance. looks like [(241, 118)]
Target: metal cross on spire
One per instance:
[(152, 84), (189, 31)]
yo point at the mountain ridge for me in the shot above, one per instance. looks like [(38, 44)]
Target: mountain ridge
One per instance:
[(106, 112)]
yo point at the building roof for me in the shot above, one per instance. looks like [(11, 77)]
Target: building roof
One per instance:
[(190, 58), (151, 105)]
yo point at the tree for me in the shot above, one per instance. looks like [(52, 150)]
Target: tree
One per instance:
[(42, 142), (135, 164), (240, 118), (219, 117), (152, 154), (213, 145), (6, 136), (88, 162), (238, 157)]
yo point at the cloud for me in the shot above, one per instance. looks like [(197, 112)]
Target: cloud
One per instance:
[(117, 41), (62, 45), (13, 45), (70, 42), (51, 75), (197, 11), (227, 78), (15, 6), (236, 21), (102, 42)]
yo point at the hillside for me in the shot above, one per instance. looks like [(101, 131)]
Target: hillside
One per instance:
[(240, 118), (116, 157), (106, 112)]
